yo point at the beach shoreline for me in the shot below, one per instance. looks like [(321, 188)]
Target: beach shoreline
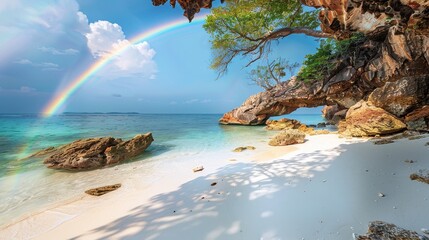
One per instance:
[(297, 188)]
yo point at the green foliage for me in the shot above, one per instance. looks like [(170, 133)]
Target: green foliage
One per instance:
[(272, 73), (319, 65), (237, 27)]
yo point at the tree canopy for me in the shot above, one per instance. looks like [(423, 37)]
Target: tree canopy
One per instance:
[(248, 27)]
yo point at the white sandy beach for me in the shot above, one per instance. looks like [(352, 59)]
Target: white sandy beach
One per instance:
[(326, 188)]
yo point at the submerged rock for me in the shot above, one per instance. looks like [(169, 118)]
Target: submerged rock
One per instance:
[(93, 153), (421, 176), (102, 190), (43, 153), (287, 137), (364, 119), (379, 230)]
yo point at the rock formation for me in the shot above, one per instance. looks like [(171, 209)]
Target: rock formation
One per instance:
[(288, 124), (287, 137), (191, 7), (364, 119), (93, 153), (379, 230), (391, 73)]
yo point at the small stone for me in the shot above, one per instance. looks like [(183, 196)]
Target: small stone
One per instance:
[(213, 184), (198, 169), (409, 161), (232, 160), (394, 207), (324, 180), (240, 149), (381, 194), (102, 190), (202, 197)]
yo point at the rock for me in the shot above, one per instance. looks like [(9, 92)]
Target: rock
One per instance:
[(409, 161), (401, 96), (198, 169), (421, 176), (379, 230), (364, 119), (213, 184), (425, 231), (240, 149), (283, 124), (93, 153), (418, 120), (191, 7), (381, 195), (102, 190), (329, 111), (287, 137), (321, 125), (383, 141), (43, 153), (128, 149)]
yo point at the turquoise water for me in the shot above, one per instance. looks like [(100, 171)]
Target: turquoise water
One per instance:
[(27, 185)]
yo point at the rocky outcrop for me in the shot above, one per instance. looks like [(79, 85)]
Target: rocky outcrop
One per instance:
[(364, 119), (342, 17), (419, 119), (392, 72), (379, 230), (287, 137), (191, 7), (93, 153), (283, 124), (284, 98)]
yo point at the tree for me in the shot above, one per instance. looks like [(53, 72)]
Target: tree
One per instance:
[(248, 27), (272, 73)]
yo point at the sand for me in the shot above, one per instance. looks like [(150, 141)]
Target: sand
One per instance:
[(325, 188)]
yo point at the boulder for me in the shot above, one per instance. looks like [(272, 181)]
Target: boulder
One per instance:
[(128, 149), (287, 137), (418, 120), (283, 124), (401, 96), (364, 119), (329, 111), (93, 153), (379, 230)]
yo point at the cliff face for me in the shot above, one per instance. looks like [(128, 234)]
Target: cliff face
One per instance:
[(392, 72)]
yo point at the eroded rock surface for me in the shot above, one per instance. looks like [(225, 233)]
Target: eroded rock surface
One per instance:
[(93, 153), (379, 230), (287, 137), (393, 73), (364, 119)]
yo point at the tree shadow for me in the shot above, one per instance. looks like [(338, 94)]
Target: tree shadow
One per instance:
[(288, 198)]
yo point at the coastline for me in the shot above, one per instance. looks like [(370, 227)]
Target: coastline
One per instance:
[(296, 188)]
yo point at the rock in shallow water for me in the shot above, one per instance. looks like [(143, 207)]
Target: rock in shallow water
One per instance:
[(93, 153), (379, 230), (240, 149)]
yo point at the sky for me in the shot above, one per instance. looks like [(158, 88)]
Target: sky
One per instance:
[(44, 45)]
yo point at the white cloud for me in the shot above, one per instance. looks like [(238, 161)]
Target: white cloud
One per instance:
[(106, 38), (45, 66), (53, 51)]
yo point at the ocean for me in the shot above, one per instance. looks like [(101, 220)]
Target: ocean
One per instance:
[(28, 186)]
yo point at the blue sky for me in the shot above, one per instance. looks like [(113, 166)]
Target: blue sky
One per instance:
[(45, 44)]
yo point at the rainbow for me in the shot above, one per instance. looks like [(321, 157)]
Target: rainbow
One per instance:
[(61, 96)]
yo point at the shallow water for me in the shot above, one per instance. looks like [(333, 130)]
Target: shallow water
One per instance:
[(28, 186)]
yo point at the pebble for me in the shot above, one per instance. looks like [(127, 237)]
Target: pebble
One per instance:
[(381, 194), (213, 184), (198, 169)]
